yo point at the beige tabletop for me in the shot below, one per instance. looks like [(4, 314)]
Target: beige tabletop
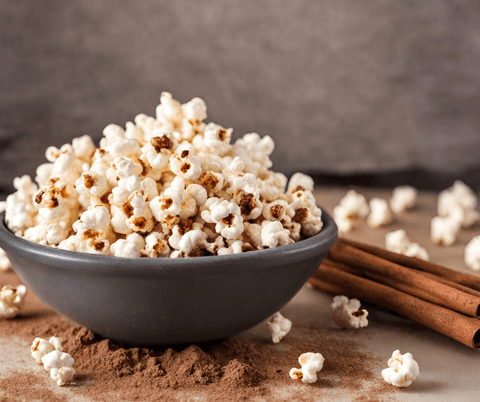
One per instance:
[(449, 371)]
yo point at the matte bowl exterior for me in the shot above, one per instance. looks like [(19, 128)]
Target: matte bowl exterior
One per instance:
[(157, 301)]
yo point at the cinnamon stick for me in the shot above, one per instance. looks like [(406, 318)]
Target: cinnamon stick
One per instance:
[(460, 327), (406, 280), (470, 281)]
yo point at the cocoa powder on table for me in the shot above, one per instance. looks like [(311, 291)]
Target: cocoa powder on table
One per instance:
[(227, 370)]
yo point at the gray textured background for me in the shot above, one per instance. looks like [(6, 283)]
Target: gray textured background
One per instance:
[(345, 87)]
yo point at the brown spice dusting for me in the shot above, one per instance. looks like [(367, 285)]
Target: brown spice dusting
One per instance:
[(184, 168), (89, 234), (160, 143), (140, 222), (144, 167), (228, 220), (358, 313), (301, 214), (88, 181), (222, 134), (235, 369), (185, 153), (208, 180), (99, 246), (127, 209), (167, 203), (38, 197), (247, 204), (276, 211), (185, 226), (299, 188)]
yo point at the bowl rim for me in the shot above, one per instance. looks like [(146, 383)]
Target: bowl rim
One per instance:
[(100, 264)]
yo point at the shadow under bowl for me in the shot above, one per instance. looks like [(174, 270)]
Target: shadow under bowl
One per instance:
[(159, 301)]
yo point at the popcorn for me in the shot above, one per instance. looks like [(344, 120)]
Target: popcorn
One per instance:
[(472, 253), (347, 313), (62, 375), (12, 300), (380, 213), (164, 186), (460, 202), (402, 370), (404, 197), (311, 364), (444, 230), (57, 359), (355, 204), (273, 234), (300, 180), (278, 326), (398, 242), (40, 347), (4, 261), (343, 218)]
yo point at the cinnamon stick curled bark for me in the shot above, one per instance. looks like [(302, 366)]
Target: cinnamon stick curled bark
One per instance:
[(460, 327), (470, 281), (406, 280)]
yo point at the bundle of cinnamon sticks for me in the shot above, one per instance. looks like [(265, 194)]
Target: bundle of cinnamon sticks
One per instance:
[(444, 300)]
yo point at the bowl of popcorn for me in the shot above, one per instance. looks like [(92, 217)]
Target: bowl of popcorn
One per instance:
[(166, 232)]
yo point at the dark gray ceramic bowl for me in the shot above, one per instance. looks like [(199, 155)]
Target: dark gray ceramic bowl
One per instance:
[(144, 301)]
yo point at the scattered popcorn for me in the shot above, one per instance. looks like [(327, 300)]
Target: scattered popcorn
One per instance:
[(40, 347), (57, 359), (347, 313), (164, 186), (62, 375), (278, 326), (311, 364), (444, 230), (355, 204), (380, 213), (460, 203), (12, 300), (343, 219), (402, 370), (404, 197), (398, 242), (472, 253), (4, 261)]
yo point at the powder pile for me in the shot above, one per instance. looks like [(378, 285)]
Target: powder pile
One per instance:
[(228, 370)]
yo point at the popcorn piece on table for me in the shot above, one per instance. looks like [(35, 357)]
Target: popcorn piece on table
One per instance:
[(355, 204), (311, 364), (41, 347), (444, 230), (278, 326), (60, 366), (402, 370), (343, 219), (12, 300), (472, 253), (459, 201), (347, 313), (62, 375), (380, 213), (57, 359), (404, 197), (4, 261), (398, 242)]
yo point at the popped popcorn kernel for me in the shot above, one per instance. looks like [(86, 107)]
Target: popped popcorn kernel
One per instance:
[(402, 370), (472, 253), (404, 198), (278, 326), (380, 214), (170, 186), (311, 364), (12, 300), (398, 242), (347, 313)]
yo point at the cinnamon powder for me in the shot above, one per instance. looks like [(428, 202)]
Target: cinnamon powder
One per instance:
[(228, 370)]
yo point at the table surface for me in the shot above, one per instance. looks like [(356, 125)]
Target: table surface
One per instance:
[(448, 369)]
